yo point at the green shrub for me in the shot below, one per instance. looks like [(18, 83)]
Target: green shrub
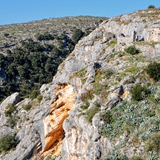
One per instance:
[(109, 73), (116, 156), (6, 34), (92, 111), (85, 106), (153, 70), (49, 158), (136, 158), (153, 144), (107, 117), (139, 92), (77, 35), (132, 50), (81, 74), (39, 98), (11, 121), (151, 7), (7, 142), (112, 43), (88, 95), (45, 36), (9, 110), (97, 88), (27, 107), (34, 94)]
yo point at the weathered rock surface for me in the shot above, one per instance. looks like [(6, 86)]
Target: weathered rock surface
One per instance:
[(59, 111), (82, 140), (13, 99), (27, 137)]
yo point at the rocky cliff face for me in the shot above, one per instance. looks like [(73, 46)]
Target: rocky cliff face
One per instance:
[(95, 78), (59, 111)]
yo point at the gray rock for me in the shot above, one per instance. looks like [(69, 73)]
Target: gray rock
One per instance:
[(13, 99), (128, 80)]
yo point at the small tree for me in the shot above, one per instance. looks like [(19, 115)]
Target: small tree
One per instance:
[(153, 144), (107, 117), (138, 92), (151, 7), (132, 50), (6, 34), (77, 35), (92, 111), (7, 142), (153, 70)]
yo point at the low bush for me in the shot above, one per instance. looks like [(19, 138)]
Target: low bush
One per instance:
[(87, 95), (109, 73), (153, 70), (49, 158), (136, 158), (112, 43), (9, 110), (85, 106), (34, 94), (97, 88), (11, 122), (107, 117), (92, 111), (77, 35), (39, 98), (153, 144), (139, 92), (132, 50), (116, 156), (81, 73), (27, 107), (45, 36), (7, 142), (6, 34), (151, 7)]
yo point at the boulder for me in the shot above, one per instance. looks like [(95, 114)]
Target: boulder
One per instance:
[(13, 99)]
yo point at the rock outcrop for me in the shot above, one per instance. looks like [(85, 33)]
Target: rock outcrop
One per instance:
[(59, 111), (82, 140)]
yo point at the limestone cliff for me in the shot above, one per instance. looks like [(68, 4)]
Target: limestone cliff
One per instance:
[(87, 112), (95, 56), (59, 111)]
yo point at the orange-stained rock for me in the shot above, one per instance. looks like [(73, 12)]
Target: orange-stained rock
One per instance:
[(59, 111), (125, 94)]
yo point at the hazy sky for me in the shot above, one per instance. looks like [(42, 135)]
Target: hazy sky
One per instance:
[(18, 11)]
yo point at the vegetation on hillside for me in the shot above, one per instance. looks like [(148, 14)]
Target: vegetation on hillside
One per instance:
[(126, 91), (7, 143), (134, 122), (153, 70), (27, 63), (132, 50)]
